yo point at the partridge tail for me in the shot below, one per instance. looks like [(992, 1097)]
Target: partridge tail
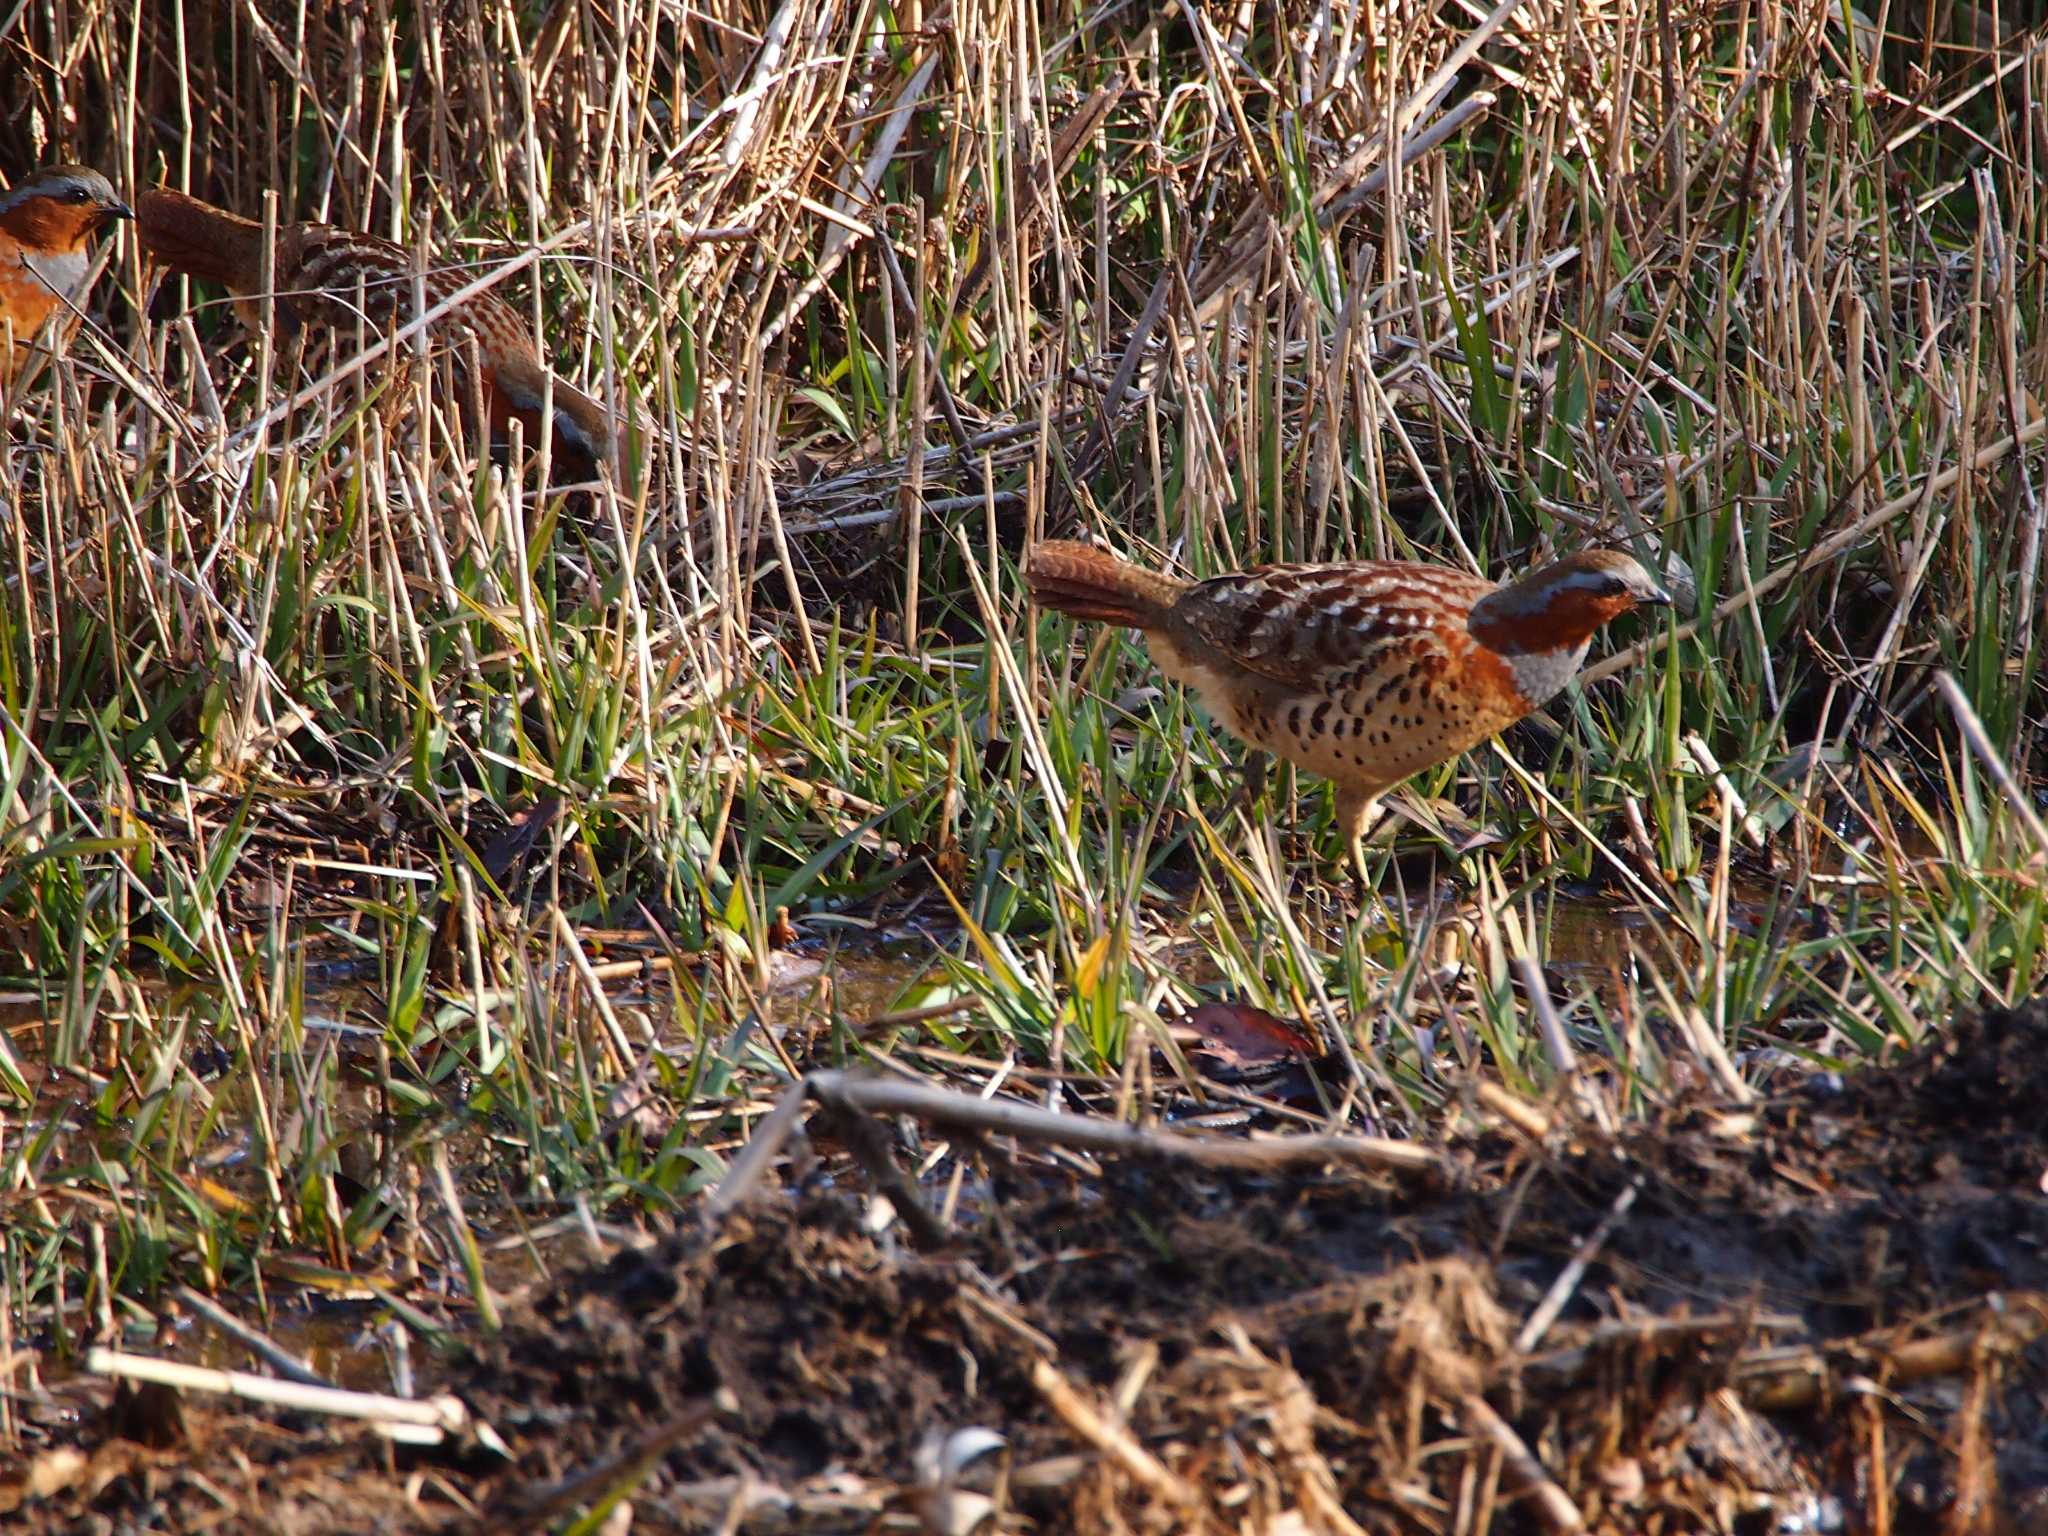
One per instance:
[(200, 240), (1091, 583), (581, 425)]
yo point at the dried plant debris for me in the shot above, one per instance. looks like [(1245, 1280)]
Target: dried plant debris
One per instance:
[(1812, 1310)]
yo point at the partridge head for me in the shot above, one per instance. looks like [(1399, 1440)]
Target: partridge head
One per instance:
[(335, 281), (1363, 673), (47, 222)]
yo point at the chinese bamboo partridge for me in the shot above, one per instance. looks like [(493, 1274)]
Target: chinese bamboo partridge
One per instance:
[(47, 221), (338, 281), (1363, 673)]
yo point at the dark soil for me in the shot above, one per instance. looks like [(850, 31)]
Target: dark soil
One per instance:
[(1282, 1354)]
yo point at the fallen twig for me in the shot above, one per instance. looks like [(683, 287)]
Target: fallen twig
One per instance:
[(419, 1421), (1778, 1379), (863, 1095), (1568, 1278), (1111, 1439), (282, 1360), (1558, 1512)]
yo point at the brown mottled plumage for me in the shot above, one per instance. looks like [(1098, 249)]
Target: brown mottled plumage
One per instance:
[(1363, 673), (47, 221), (341, 281)]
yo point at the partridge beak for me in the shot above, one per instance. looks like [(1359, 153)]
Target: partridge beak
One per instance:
[(116, 211), (1656, 597)]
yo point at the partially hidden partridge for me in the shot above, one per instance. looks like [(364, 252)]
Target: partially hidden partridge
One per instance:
[(1363, 673), (343, 282), (47, 221)]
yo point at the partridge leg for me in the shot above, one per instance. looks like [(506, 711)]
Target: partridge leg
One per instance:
[(1356, 813)]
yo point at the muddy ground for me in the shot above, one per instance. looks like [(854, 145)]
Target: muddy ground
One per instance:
[(1817, 1313)]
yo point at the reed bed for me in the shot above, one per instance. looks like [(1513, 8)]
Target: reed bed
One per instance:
[(887, 292)]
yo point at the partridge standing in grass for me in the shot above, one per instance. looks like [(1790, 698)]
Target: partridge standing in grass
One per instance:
[(340, 281), (1364, 673), (47, 221)]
